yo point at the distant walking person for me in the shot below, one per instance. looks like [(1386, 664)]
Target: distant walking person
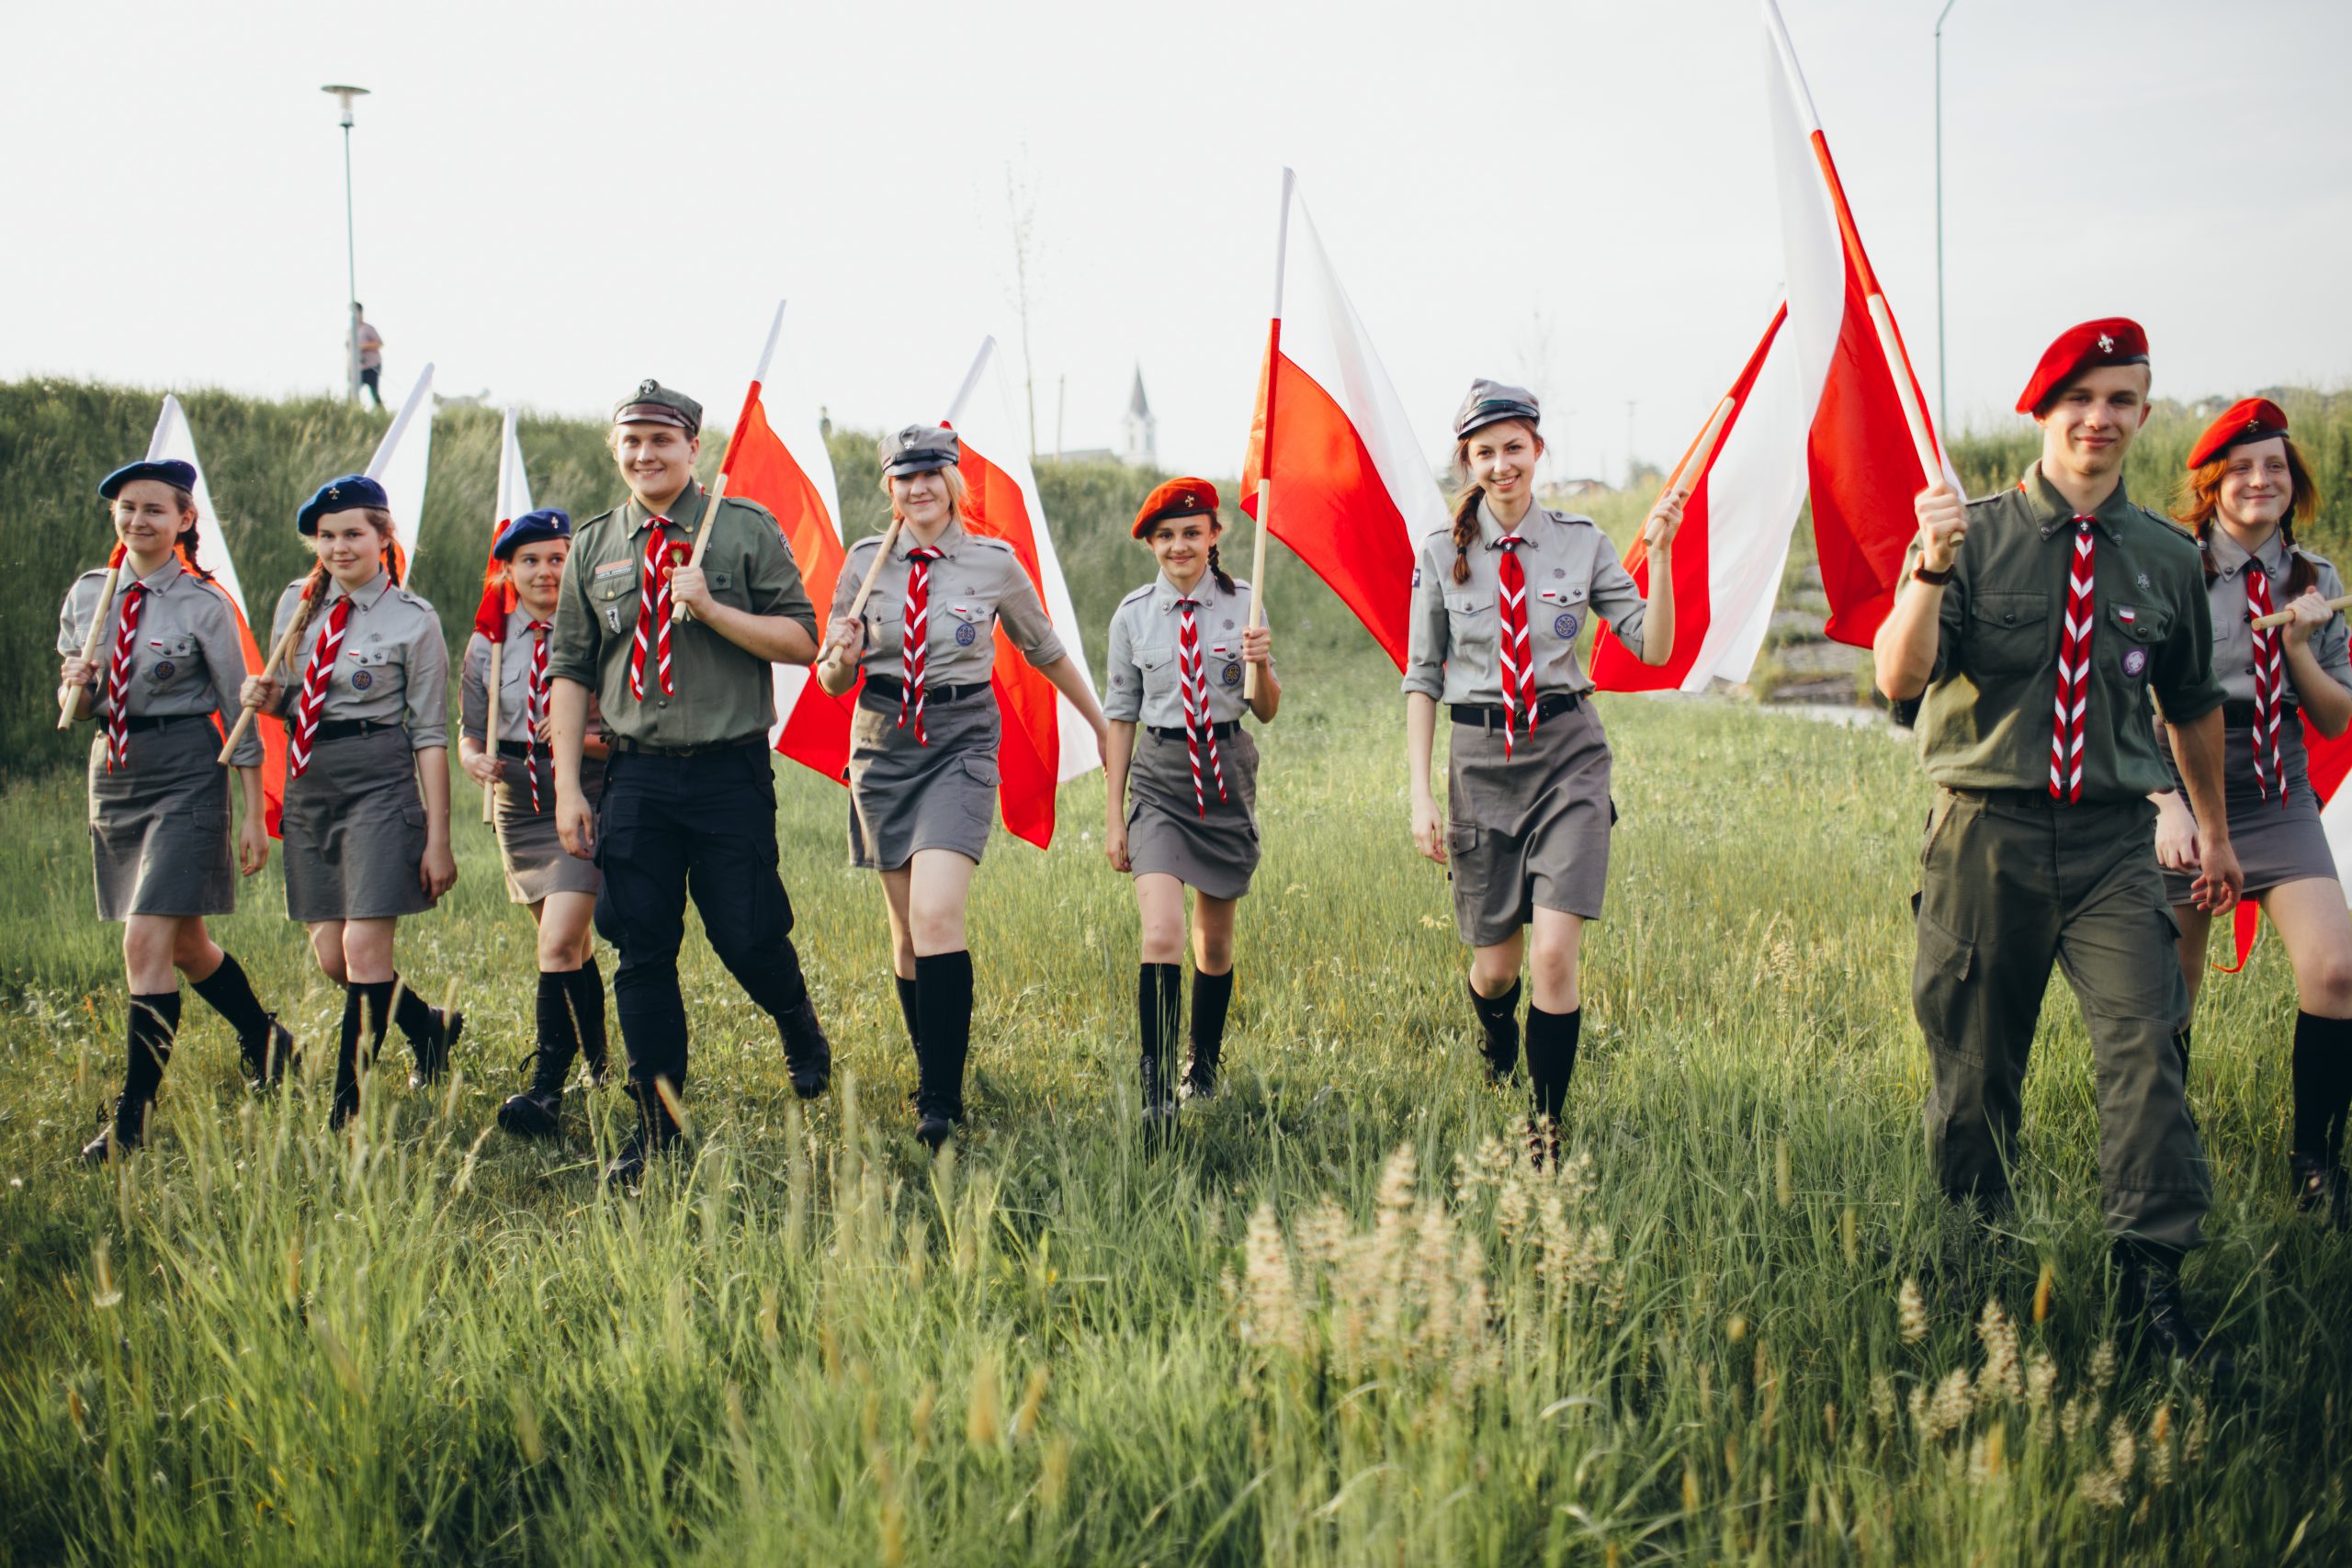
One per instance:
[(170, 661), (1183, 775), (2248, 489), (689, 793), (1499, 600), (923, 766), (503, 743), (2030, 656), (370, 342), (367, 818)]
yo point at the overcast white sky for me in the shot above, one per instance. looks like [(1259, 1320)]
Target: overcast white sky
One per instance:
[(556, 201)]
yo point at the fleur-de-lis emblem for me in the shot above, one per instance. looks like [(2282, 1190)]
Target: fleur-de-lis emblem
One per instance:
[(334, 492), (2106, 344)]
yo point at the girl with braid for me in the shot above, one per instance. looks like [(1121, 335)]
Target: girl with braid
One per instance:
[(169, 656), (1499, 600), (1183, 775), (366, 815)]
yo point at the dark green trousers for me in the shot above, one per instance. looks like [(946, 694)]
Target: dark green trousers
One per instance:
[(2009, 883)]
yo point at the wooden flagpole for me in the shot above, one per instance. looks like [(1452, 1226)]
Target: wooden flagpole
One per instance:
[(490, 727), (1689, 471), (276, 657), (828, 670), (2279, 618), (66, 695)]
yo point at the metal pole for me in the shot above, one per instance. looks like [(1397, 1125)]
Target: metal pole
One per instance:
[(1943, 380), (351, 260)]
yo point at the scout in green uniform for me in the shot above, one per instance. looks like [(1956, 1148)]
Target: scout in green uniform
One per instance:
[(169, 664), (689, 802), (2029, 657), (2248, 488)]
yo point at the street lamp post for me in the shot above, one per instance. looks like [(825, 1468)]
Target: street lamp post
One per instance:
[(350, 237), (1943, 380)]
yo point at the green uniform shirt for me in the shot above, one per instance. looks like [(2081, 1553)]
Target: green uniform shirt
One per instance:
[(1985, 719), (720, 692)]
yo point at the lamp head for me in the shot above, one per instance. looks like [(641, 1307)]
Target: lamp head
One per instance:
[(345, 95)]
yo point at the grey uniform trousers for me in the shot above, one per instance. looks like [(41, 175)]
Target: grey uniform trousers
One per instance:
[(2011, 882)]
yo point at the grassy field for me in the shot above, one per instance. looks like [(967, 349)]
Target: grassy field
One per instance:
[(1334, 1321)]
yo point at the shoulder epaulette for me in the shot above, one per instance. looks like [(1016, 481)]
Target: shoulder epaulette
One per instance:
[(745, 500), (1143, 593), (990, 542), (2171, 523)]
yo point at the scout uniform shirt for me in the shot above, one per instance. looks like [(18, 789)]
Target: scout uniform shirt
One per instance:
[(2233, 638), (394, 668), (1984, 720), (1144, 634), (976, 581), (189, 658), (513, 684), (721, 693), (1573, 573)]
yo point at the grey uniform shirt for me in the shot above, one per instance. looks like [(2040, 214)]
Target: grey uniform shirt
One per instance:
[(189, 658), (976, 583), (1144, 686), (392, 666), (2233, 638), (514, 681), (1573, 573)]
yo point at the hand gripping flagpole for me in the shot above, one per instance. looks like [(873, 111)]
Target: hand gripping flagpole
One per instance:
[(1266, 447), (67, 696), (717, 492)]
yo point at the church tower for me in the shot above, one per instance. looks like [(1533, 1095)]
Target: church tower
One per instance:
[(1138, 444)]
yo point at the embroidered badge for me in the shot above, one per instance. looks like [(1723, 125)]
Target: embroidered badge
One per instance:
[(361, 680), (614, 568), (1559, 571), (2128, 613), (1564, 627), (1416, 577), (2135, 659), (166, 670), (2143, 581), (1233, 675), (1228, 626), (967, 635), (613, 616), (2106, 344)]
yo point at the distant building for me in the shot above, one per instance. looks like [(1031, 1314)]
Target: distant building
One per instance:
[(1571, 489), (1139, 431)]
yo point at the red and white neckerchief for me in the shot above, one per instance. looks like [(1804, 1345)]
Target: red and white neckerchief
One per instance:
[(2269, 680), (652, 613), (1192, 680), (314, 688), (915, 644), (126, 645), (1515, 652), (534, 707), (2074, 696)]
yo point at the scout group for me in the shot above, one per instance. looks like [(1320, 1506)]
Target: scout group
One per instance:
[(628, 746)]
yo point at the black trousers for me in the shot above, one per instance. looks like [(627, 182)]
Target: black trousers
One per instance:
[(372, 379), (672, 826)]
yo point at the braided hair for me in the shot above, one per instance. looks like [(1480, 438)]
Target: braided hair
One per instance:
[(1467, 499), (314, 586), (2201, 502), (1216, 569)]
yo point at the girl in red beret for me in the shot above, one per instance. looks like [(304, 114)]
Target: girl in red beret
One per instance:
[(2249, 487), (1182, 774)]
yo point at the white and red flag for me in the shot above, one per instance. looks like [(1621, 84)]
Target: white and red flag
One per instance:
[(1354, 495), (402, 461), (514, 499)]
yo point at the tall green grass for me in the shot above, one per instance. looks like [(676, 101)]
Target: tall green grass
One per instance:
[(1334, 1321)]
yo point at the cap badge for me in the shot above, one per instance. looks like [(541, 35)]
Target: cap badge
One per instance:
[(646, 387), (334, 492), (2106, 344)]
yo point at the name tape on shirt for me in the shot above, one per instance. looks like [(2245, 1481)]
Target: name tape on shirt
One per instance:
[(614, 568)]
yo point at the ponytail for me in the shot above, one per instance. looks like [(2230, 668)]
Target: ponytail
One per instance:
[(1465, 529), (1217, 571), (314, 592)]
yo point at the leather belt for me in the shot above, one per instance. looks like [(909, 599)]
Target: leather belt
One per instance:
[(142, 723), (892, 688), (2239, 716), (514, 749), (1552, 706), (624, 745), (1176, 732), (345, 728)]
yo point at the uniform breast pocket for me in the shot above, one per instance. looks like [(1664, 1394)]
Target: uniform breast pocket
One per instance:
[(965, 625), (2134, 633), (2008, 634), (1470, 624), (1559, 614), (1157, 666), (613, 599), (1221, 662), (374, 669), (171, 660)]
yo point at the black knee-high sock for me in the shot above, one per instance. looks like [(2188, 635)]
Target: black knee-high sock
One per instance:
[(154, 1025), (910, 1009), (558, 1039), (1498, 1021), (585, 986), (1212, 995), (1158, 993), (2323, 1085), (418, 1019), (1552, 1057), (229, 993), (365, 1004), (944, 1014)]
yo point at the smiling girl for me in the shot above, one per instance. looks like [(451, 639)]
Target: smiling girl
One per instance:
[(1499, 600), (367, 818), (1182, 774), (168, 659)]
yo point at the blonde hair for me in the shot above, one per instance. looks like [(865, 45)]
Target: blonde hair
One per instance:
[(951, 477), (314, 586)]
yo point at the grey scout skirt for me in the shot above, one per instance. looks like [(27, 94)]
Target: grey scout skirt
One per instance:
[(537, 862), (2275, 844), (1531, 832), (160, 827), (904, 797), (355, 830), (1215, 854)]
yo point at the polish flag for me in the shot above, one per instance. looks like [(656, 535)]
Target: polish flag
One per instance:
[(174, 439), (1355, 494), (514, 499), (400, 465)]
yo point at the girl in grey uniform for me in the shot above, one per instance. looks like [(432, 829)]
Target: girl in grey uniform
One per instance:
[(1498, 601), (922, 768), (168, 663), (560, 888), (2249, 487), (1179, 649), (365, 691)]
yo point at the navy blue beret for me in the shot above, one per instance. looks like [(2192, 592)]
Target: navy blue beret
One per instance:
[(171, 470), (345, 494), (530, 529)]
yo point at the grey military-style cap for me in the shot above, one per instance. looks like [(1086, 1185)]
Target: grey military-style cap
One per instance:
[(920, 449), (1491, 401), (653, 403)]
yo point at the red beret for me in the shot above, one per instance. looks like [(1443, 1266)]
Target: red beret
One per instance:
[(2111, 340), (2253, 419), (1176, 498)]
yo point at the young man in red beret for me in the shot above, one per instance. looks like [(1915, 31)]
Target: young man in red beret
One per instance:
[(2035, 627)]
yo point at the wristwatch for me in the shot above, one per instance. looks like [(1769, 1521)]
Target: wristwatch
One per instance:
[(1923, 573)]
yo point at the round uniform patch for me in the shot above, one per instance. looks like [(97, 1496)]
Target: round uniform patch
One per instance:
[(362, 679), (1564, 627), (166, 670), (2135, 659), (1232, 676), (967, 635)]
